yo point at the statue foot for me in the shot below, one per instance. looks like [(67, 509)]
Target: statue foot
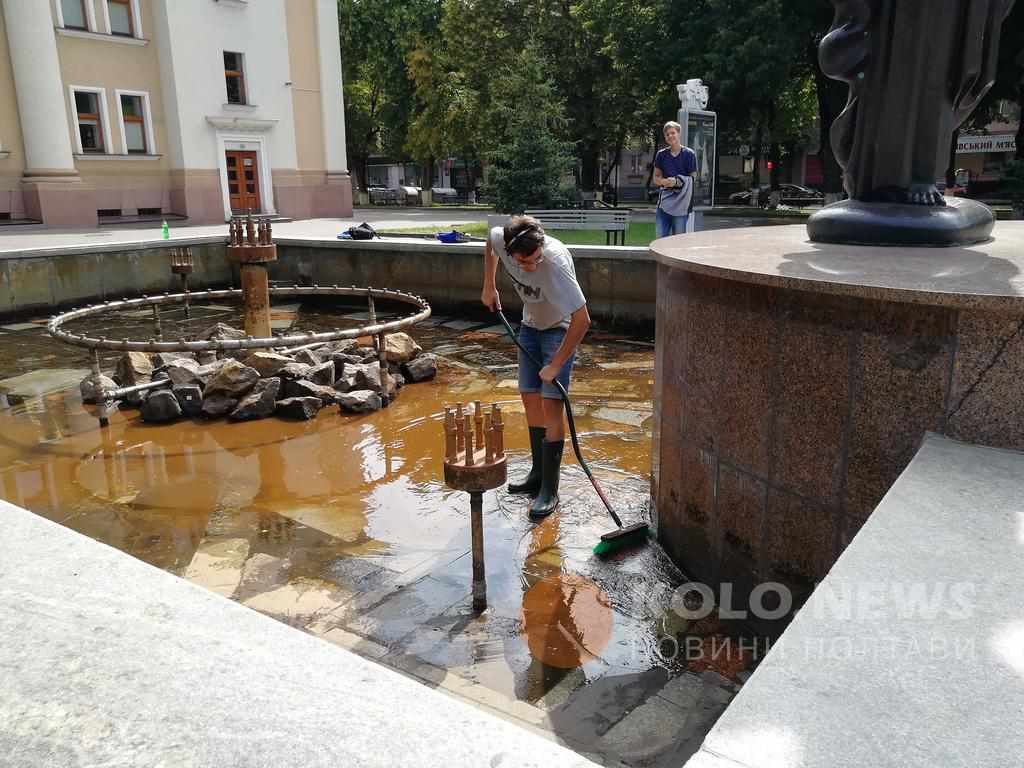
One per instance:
[(925, 194)]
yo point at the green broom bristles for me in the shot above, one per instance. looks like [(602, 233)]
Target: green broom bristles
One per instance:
[(607, 547)]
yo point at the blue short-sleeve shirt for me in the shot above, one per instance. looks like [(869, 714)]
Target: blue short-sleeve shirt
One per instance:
[(683, 164)]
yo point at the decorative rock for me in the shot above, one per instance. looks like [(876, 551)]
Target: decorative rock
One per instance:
[(88, 387), (322, 374), (401, 348), (342, 358), (366, 354), (422, 368), (302, 388), (357, 377), (190, 398), (218, 405), (302, 408), (206, 356), (183, 371), (221, 332), (308, 357), (267, 363), (260, 402), (342, 347), (162, 359), (391, 387), (232, 380), (359, 402), (399, 380), (161, 406), (133, 399), (294, 371), (208, 371), (133, 368)]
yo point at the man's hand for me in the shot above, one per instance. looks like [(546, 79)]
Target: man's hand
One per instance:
[(549, 373), (491, 300)]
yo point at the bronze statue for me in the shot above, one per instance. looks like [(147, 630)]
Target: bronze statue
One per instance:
[(916, 70)]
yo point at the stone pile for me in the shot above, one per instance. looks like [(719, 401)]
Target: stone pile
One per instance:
[(255, 385)]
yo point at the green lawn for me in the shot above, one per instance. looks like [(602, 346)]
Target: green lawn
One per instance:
[(640, 234)]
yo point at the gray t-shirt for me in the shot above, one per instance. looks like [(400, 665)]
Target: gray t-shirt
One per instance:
[(550, 294)]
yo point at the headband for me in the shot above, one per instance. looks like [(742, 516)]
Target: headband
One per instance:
[(527, 228)]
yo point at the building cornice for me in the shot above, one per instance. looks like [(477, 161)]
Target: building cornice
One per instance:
[(250, 124)]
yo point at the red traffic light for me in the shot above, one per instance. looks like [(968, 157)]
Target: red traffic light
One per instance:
[(771, 165)]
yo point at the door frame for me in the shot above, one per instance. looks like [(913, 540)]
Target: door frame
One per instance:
[(251, 143), (242, 156)]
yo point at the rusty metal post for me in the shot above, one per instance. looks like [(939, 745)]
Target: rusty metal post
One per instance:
[(473, 465), (499, 431), (252, 256), (158, 332), (476, 513), (182, 264), (256, 298), (460, 430), (470, 448), (488, 440), (449, 435), (102, 407), (382, 362)]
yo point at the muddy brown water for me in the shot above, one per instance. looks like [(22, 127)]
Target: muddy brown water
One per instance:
[(343, 522)]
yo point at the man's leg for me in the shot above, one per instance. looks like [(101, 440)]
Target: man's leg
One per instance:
[(546, 501), (679, 224), (662, 223), (530, 392)]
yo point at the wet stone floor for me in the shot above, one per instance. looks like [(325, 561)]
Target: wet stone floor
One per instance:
[(342, 526)]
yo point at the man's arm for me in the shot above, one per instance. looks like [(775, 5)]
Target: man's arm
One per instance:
[(489, 295), (659, 177), (578, 326)]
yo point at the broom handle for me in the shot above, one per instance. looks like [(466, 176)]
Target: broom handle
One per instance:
[(572, 422)]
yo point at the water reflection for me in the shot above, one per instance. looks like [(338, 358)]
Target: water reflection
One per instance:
[(344, 506)]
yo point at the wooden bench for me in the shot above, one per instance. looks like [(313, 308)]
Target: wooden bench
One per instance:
[(615, 223)]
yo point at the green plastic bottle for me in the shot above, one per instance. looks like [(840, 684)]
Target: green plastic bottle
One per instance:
[(165, 231)]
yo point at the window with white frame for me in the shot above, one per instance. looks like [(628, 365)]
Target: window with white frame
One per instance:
[(136, 122), (122, 17), (234, 77), (89, 121), (73, 14)]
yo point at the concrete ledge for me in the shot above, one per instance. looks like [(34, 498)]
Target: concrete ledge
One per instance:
[(910, 653), (128, 246), (108, 661), (619, 282)]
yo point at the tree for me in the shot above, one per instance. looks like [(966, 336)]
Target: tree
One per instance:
[(528, 159), (756, 63), (1009, 83), (377, 36)]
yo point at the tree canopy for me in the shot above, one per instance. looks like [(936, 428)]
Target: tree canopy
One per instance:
[(430, 79)]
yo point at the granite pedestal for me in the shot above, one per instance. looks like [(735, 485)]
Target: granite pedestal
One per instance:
[(796, 380)]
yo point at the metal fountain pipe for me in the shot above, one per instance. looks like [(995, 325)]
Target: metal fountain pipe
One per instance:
[(56, 329)]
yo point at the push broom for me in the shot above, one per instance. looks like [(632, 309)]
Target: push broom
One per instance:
[(623, 536)]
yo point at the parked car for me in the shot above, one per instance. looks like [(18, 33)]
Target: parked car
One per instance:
[(792, 194)]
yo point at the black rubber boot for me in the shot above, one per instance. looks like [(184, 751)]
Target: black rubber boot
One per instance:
[(551, 465), (531, 483)]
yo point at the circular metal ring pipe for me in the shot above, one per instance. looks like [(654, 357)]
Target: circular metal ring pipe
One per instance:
[(55, 326)]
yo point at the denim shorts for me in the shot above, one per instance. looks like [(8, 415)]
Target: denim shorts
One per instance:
[(542, 345)]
